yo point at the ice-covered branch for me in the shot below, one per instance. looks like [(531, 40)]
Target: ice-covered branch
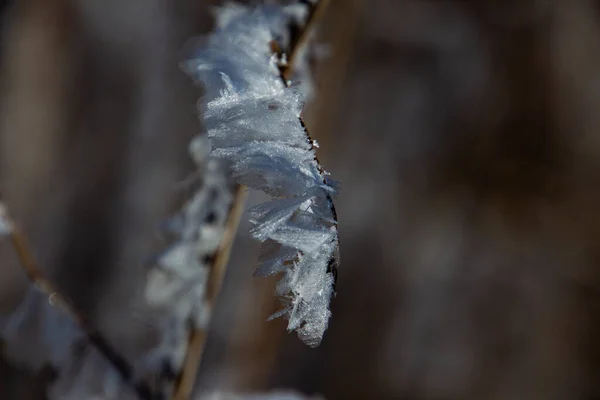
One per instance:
[(253, 117)]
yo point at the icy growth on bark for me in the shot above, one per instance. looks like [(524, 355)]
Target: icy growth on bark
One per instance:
[(253, 120)]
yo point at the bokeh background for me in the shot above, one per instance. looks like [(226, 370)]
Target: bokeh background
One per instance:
[(465, 134)]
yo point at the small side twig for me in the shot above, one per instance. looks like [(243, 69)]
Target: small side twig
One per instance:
[(56, 299), (197, 339), (316, 13)]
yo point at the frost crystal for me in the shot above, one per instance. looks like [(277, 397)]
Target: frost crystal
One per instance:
[(253, 119)]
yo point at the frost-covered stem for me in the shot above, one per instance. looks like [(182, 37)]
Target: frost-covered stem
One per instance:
[(316, 13), (197, 341), (57, 300), (198, 337), (253, 116)]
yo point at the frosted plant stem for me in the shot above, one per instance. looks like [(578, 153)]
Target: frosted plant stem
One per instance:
[(197, 341), (198, 337), (57, 300), (253, 115), (316, 13)]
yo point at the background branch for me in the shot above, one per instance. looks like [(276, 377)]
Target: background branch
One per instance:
[(57, 300)]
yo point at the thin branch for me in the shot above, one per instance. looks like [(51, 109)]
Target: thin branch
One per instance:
[(285, 70), (315, 15), (56, 299), (197, 340), (222, 256)]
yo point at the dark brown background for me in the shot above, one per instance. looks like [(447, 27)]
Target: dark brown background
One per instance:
[(465, 135)]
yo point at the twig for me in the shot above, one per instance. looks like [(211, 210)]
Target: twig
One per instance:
[(316, 13), (222, 256), (55, 299), (197, 340)]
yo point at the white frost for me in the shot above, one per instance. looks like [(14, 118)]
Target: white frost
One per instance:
[(253, 120)]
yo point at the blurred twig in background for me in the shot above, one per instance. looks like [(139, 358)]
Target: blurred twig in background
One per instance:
[(65, 306)]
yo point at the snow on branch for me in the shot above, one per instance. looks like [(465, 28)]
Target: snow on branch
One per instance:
[(252, 113)]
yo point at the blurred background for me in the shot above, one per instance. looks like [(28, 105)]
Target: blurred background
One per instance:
[(465, 134)]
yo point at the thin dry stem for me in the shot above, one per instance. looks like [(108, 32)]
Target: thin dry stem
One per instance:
[(316, 13), (56, 299), (222, 257), (197, 340)]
